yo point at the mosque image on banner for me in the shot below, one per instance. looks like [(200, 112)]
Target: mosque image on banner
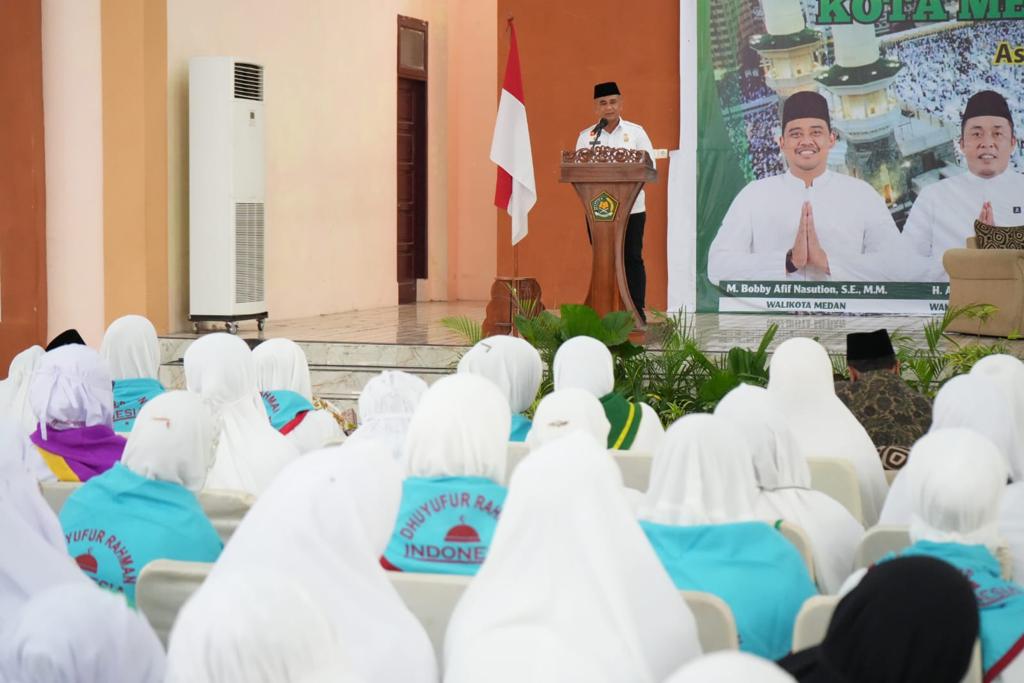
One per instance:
[(814, 238)]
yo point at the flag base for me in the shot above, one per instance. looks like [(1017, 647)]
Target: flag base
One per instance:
[(511, 296)]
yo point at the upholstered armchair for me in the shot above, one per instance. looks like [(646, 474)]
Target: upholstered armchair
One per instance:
[(987, 276)]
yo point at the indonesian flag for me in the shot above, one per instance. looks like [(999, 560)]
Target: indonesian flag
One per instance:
[(515, 191)]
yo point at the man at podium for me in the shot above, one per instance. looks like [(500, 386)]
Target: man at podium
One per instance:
[(614, 131)]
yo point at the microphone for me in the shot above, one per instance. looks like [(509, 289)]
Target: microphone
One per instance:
[(597, 131)]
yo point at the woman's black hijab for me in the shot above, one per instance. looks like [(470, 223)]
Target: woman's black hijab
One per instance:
[(64, 339), (910, 620)]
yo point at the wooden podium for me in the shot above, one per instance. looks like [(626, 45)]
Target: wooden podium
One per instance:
[(608, 180)]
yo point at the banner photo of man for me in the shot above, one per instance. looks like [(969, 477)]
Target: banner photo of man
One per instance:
[(840, 156)]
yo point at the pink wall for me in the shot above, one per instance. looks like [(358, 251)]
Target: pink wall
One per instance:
[(73, 119)]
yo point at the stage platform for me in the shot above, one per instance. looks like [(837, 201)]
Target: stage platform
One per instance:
[(346, 349)]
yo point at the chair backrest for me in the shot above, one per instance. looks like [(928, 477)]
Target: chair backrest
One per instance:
[(812, 624), (225, 509), (716, 626), (890, 476), (878, 542), (163, 587), (799, 538), (812, 621), (635, 467), (837, 478), (432, 599), (57, 492)]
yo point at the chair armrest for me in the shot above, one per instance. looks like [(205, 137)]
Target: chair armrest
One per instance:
[(983, 264)]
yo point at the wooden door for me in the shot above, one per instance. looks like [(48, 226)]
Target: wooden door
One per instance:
[(22, 181), (412, 156)]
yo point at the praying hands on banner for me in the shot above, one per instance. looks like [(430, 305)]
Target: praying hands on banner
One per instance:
[(807, 250)]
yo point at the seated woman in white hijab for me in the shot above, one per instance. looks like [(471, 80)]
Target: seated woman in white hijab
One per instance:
[(71, 397), (1007, 373), (132, 352), (971, 401), (729, 666), (515, 367), (957, 485), (785, 482), (699, 516), (282, 374), (324, 522), (565, 411), (586, 363), (35, 556), (14, 401), (19, 487), (386, 406), (800, 383), (257, 626), (249, 454), (571, 591), (77, 633), (144, 508), (455, 454)]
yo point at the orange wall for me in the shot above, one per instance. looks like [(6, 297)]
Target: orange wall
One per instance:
[(636, 45), (135, 159)]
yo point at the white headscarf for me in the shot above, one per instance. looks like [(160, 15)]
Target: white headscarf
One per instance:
[(33, 561), (14, 390), (969, 401), (730, 666), (800, 384), (460, 429), (571, 589), (325, 523), (511, 363), (1007, 373), (281, 365), (249, 452), (79, 633), (565, 411), (256, 627), (386, 406), (957, 483), (71, 387), (785, 482), (19, 488), (584, 363), (172, 440), (131, 349), (702, 474)]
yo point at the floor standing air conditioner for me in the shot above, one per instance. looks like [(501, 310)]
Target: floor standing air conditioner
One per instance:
[(226, 192)]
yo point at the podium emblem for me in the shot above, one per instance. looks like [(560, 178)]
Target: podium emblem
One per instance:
[(604, 207)]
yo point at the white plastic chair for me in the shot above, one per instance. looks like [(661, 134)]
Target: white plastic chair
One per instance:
[(225, 509), (837, 478), (878, 542), (56, 493), (432, 599), (799, 538), (716, 626), (635, 467), (163, 587), (812, 624)]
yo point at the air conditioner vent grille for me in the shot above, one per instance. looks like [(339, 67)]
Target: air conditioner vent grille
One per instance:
[(248, 81), (248, 252)]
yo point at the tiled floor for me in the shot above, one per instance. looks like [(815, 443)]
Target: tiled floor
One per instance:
[(420, 324)]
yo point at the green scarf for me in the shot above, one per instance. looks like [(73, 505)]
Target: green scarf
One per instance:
[(624, 417)]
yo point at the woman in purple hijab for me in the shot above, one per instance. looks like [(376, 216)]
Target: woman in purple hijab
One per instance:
[(72, 397)]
